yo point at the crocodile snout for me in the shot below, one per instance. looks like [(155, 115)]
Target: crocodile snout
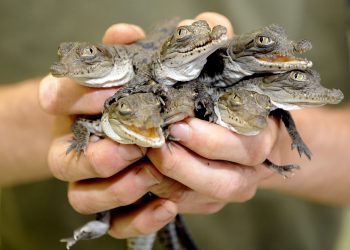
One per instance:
[(58, 69)]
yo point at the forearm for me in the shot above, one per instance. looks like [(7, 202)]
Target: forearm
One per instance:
[(25, 134), (326, 178)]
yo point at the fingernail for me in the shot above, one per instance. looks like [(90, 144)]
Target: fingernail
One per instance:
[(164, 212), (138, 29), (130, 152), (181, 131), (125, 28), (144, 177)]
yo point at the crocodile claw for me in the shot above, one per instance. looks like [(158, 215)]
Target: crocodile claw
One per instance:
[(77, 146), (302, 149)]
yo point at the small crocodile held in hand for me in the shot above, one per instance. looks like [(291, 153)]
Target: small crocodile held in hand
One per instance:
[(184, 54), (169, 58), (294, 89), (102, 65), (245, 112), (134, 119), (266, 50), (244, 108)]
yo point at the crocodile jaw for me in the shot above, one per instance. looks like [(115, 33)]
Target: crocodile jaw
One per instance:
[(220, 122), (127, 135), (298, 100), (119, 75), (187, 65), (275, 64)]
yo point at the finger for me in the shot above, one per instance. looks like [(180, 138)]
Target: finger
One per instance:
[(187, 200), (218, 143), (220, 180), (125, 188), (145, 220), (123, 33), (63, 96), (212, 19), (103, 158)]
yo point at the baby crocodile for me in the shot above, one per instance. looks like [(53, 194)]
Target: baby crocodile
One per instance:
[(102, 65), (244, 107), (266, 50), (246, 112), (134, 119), (184, 54), (293, 90), (178, 58)]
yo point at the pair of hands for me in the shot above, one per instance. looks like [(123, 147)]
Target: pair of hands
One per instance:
[(209, 166)]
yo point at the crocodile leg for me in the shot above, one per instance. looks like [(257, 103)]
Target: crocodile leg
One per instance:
[(144, 242), (82, 129), (183, 233), (284, 170), (91, 230), (297, 141), (168, 237), (204, 101)]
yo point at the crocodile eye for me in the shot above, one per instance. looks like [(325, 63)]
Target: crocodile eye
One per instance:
[(89, 51), (234, 101), (59, 52), (298, 76), (124, 108), (181, 32), (264, 41)]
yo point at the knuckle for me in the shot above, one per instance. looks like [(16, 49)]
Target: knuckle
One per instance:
[(118, 198), (99, 164), (229, 189), (257, 155), (141, 229), (178, 195), (167, 167)]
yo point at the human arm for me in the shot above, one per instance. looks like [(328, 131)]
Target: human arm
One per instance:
[(26, 134)]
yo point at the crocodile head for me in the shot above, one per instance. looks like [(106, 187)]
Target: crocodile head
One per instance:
[(297, 89), (243, 111), (93, 65), (268, 50), (179, 104), (135, 119), (184, 54)]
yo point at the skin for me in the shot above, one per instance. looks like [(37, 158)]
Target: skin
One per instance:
[(234, 174)]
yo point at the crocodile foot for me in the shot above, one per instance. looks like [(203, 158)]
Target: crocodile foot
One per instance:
[(81, 138), (204, 101), (297, 141), (284, 170), (144, 242), (91, 230), (302, 148)]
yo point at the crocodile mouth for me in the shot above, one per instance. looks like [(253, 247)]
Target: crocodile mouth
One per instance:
[(280, 62), (59, 69), (283, 59), (128, 134), (210, 42), (150, 133)]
